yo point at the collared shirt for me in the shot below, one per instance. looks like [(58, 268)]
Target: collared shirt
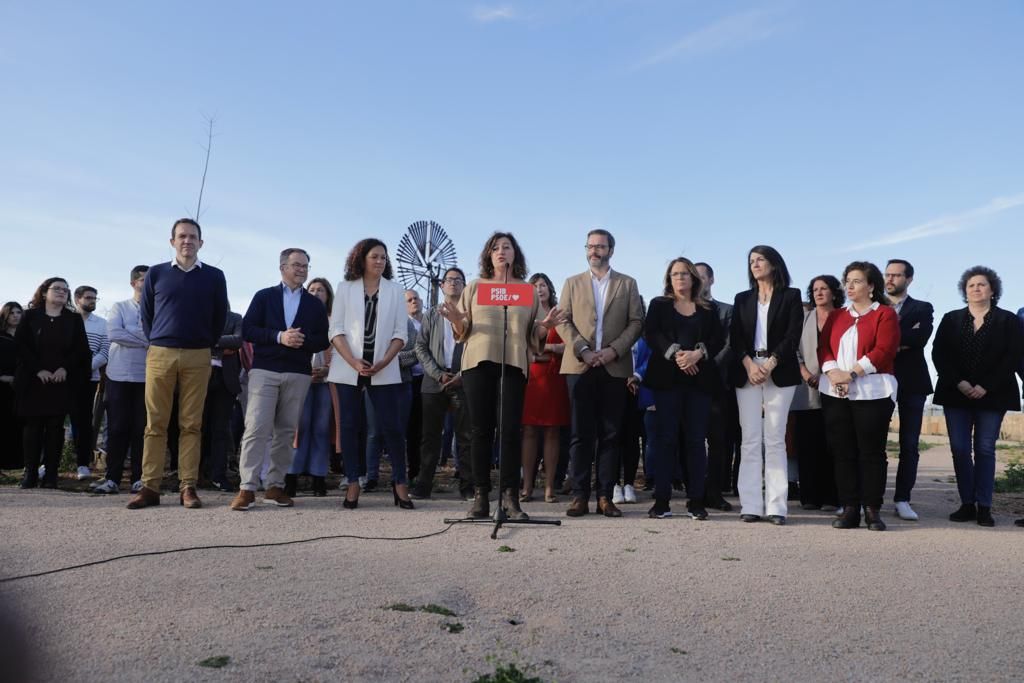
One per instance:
[(417, 369), (898, 306), (176, 264), (128, 343), (449, 343), (291, 297), (600, 286), (873, 385)]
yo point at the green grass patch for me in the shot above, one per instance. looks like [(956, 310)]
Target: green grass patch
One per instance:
[(1011, 480), (506, 549), (437, 609), (652, 531), (507, 673), (401, 607), (677, 651), (453, 627), (218, 662), (730, 559)]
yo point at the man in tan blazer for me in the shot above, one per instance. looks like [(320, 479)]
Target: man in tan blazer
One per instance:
[(604, 316)]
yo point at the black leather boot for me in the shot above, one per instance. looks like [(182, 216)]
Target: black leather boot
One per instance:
[(873, 518), (291, 482), (481, 507), (510, 501), (319, 487), (850, 519)]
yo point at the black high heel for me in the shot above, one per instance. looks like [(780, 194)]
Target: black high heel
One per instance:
[(404, 504), (319, 487), (350, 504)]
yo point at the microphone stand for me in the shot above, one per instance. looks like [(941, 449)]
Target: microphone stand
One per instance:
[(500, 516)]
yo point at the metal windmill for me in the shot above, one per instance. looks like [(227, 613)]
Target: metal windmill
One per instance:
[(424, 254)]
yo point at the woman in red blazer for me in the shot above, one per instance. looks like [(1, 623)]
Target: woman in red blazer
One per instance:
[(858, 389)]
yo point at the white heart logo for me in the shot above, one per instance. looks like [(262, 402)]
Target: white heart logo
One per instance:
[(515, 297)]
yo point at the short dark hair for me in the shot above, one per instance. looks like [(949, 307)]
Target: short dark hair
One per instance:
[(602, 231), (707, 266), (5, 314), (994, 281), (832, 282), (39, 297), (908, 269), (457, 270), (355, 264), (292, 250), (330, 291), (519, 269), (696, 290), (186, 221), (552, 297), (80, 291), (780, 273), (139, 271), (875, 279)]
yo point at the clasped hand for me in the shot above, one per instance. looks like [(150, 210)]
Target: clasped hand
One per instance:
[(973, 391), (293, 338), (687, 361), (55, 377)]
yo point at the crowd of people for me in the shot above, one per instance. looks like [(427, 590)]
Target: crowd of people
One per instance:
[(782, 395)]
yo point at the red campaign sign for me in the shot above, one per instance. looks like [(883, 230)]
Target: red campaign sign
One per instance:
[(504, 294)]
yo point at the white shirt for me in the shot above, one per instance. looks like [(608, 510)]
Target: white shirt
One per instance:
[(600, 286), (177, 264), (873, 385), (761, 327), (449, 344)]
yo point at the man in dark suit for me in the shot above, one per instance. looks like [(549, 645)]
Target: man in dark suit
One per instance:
[(1020, 373), (724, 426), (221, 393), (912, 376), (286, 326)]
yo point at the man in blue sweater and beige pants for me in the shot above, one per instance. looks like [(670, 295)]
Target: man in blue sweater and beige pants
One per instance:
[(286, 326), (183, 307)]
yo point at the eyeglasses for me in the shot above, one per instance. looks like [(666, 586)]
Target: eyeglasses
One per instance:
[(55, 288), (298, 266), (453, 281), (596, 247)]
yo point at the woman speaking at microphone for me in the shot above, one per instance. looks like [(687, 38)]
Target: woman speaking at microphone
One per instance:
[(481, 328)]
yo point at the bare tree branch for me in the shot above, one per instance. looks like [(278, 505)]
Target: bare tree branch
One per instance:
[(206, 165)]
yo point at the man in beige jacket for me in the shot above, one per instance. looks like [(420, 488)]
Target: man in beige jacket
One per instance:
[(604, 316)]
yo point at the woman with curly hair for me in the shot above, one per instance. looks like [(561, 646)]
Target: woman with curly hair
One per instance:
[(856, 351), (481, 328), (53, 358), (368, 329), (976, 351)]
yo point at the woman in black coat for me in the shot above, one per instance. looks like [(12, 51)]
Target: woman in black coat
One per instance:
[(53, 357), (976, 352), (684, 334), (10, 426), (764, 335)]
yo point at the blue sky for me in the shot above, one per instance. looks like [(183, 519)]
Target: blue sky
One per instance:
[(832, 131)]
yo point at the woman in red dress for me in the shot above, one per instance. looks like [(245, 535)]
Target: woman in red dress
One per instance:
[(546, 403)]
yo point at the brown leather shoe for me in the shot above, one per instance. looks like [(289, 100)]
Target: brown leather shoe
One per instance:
[(243, 501), (607, 508), (578, 507), (189, 499), (144, 499), (276, 496)]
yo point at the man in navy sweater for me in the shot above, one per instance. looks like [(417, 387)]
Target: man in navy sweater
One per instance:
[(183, 307), (286, 326)]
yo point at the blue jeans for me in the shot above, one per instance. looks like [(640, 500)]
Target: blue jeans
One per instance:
[(974, 478), (911, 407), (692, 407), (386, 401), (314, 450), (375, 430)]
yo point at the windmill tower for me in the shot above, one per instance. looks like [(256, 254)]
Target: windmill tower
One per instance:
[(424, 254)]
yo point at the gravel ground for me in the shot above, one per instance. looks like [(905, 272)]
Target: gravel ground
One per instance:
[(593, 600)]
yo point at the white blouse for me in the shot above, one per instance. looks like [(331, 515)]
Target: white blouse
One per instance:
[(873, 385)]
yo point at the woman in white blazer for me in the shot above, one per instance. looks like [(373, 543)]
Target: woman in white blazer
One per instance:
[(368, 329)]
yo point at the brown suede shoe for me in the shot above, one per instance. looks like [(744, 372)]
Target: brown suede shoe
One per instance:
[(607, 508), (189, 499), (243, 501), (275, 495), (144, 499), (578, 507)]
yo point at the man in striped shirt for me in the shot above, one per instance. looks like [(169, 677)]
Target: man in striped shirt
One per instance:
[(85, 394)]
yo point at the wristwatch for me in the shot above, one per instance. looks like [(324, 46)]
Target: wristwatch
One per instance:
[(853, 376)]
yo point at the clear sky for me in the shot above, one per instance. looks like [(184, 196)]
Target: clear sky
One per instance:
[(831, 130)]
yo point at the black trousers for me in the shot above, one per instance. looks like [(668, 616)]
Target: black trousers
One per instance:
[(857, 431), (126, 423), (598, 401), (83, 397), (43, 435), (217, 439), (632, 436), (481, 385), (435, 409), (815, 458), (723, 444), (414, 428)]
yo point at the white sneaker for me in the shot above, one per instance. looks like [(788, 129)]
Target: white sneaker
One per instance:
[(617, 495), (904, 511), (105, 486), (629, 493), (136, 487), (840, 510), (84, 473), (42, 471)]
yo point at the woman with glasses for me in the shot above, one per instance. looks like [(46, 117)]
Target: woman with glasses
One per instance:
[(53, 358), (764, 336), (976, 351), (856, 350)]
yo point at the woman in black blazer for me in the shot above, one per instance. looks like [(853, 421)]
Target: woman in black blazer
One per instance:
[(764, 336), (976, 352), (53, 358), (684, 335)]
